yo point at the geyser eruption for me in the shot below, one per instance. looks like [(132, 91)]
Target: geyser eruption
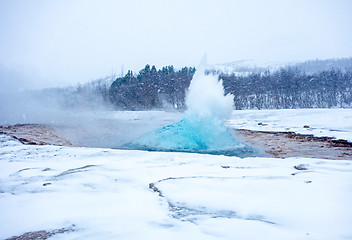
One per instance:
[(206, 98), (202, 128)]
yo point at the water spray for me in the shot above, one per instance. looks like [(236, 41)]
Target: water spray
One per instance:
[(202, 127)]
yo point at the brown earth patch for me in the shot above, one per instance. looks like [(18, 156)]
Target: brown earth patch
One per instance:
[(290, 144), (35, 134)]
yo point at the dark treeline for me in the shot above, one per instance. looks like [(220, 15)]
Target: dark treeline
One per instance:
[(151, 88), (286, 88), (290, 88)]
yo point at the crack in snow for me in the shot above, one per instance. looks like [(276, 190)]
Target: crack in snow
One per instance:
[(184, 212)]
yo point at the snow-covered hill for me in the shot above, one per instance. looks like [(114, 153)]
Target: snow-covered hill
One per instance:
[(246, 67)]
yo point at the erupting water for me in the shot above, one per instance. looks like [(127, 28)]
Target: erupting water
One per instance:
[(202, 128)]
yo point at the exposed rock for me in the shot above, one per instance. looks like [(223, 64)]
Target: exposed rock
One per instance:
[(43, 234), (301, 167)]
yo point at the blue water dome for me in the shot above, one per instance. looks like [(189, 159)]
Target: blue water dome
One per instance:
[(193, 135)]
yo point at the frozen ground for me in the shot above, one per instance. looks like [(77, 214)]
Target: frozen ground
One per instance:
[(99, 193), (124, 194), (319, 122)]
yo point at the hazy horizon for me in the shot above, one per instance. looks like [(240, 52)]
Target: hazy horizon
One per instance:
[(58, 43)]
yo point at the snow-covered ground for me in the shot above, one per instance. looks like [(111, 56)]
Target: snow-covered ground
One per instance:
[(319, 122), (126, 194), (103, 193)]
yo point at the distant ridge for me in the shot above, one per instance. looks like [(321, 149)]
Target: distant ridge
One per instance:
[(246, 67)]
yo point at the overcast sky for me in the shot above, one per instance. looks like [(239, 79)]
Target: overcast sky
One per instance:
[(59, 42)]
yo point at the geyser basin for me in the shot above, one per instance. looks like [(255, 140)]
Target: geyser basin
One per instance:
[(193, 135), (202, 128)]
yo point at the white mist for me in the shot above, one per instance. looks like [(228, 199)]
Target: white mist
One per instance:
[(206, 97)]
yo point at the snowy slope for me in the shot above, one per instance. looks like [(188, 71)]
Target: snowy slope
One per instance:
[(117, 194), (247, 67), (319, 122)]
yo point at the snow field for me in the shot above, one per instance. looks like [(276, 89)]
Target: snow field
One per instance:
[(126, 194), (319, 122)]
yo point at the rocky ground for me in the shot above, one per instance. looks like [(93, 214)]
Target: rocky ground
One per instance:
[(36, 134), (39, 235), (290, 144)]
